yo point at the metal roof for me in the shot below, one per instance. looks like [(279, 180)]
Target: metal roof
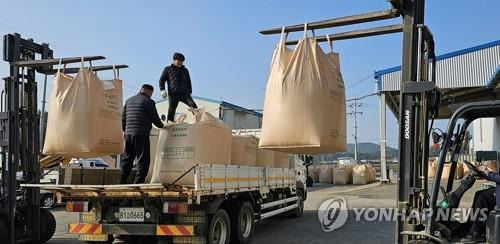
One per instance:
[(470, 67)]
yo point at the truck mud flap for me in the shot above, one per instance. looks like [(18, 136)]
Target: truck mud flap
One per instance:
[(197, 216), (94, 231)]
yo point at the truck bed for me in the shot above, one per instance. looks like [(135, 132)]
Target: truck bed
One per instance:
[(209, 179)]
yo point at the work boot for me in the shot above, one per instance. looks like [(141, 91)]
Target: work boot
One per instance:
[(473, 238)]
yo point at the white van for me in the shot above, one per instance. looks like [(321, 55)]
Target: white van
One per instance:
[(89, 162)]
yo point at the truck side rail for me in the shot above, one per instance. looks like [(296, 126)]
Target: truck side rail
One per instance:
[(209, 179), (116, 191), (219, 178)]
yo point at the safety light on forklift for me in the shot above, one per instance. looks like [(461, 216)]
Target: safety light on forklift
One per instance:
[(77, 206), (175, 207)]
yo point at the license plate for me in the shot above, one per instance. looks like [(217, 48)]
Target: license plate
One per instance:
[(102, 237), (131, 215)]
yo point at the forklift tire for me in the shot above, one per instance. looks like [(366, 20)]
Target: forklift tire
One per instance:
[(242, 223), (4, 230), (47, 225), (219, 230)]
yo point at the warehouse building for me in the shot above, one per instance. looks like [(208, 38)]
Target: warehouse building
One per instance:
[(468, 75), (235, 116)]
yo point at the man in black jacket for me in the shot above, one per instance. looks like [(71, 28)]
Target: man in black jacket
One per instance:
[(483, 200), (138, 114), (178, 82)]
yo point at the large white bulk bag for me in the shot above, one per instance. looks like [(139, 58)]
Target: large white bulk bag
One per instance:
[(326, 174), (315, 171), (304, 108), (281, 160), (244, 150), (265, 158), (205, 141), (84, 117), (153, 145), (361, 174), (342, 174)]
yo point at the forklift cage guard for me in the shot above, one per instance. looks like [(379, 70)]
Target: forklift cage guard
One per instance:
[(468, 113)]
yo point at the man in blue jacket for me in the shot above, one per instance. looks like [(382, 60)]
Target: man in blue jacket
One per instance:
[(484, 199), (138, 114), (179, 87)]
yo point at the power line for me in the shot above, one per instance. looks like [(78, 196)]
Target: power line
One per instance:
[(354, 111), (362, 97), (360, 81)]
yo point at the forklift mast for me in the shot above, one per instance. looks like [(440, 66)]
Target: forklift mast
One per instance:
[(419, 102), (19, 132)]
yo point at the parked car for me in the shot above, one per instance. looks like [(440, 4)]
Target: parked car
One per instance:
[(90, 162)]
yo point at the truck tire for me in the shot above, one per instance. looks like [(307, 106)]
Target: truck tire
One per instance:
[(4, 230), (47, 225), (242, 223), (219, 230), (296, 213)]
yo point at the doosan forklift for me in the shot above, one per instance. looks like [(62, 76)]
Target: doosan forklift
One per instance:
[(21, 129)]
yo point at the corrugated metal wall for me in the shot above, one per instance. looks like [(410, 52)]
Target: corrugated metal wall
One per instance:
[(468, 69)]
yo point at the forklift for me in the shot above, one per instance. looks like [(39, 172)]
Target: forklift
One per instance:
[(434, 230), (418, 107), (308, 161), (21, 136)]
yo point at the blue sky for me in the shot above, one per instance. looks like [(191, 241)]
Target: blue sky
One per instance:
[(227, 57)]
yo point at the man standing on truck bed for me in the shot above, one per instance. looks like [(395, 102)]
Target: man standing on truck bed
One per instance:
[(178, 82), (138, 114)]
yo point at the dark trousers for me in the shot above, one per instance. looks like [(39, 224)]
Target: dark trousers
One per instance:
[(173, 101), (136, 146), (484, 199)]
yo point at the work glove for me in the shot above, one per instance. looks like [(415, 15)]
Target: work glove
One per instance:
[(164, 93)]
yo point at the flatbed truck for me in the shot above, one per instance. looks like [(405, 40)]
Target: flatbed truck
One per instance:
[(221, 207)]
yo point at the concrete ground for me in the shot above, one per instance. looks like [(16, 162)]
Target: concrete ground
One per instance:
[(307, 229)]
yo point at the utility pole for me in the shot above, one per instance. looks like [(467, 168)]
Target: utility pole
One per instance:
[(354, 112)]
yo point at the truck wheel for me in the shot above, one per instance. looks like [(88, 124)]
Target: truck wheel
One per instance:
[(242, 223), (219, 230), (47, 225), (47, 201), (300, 209), (4, 230)]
